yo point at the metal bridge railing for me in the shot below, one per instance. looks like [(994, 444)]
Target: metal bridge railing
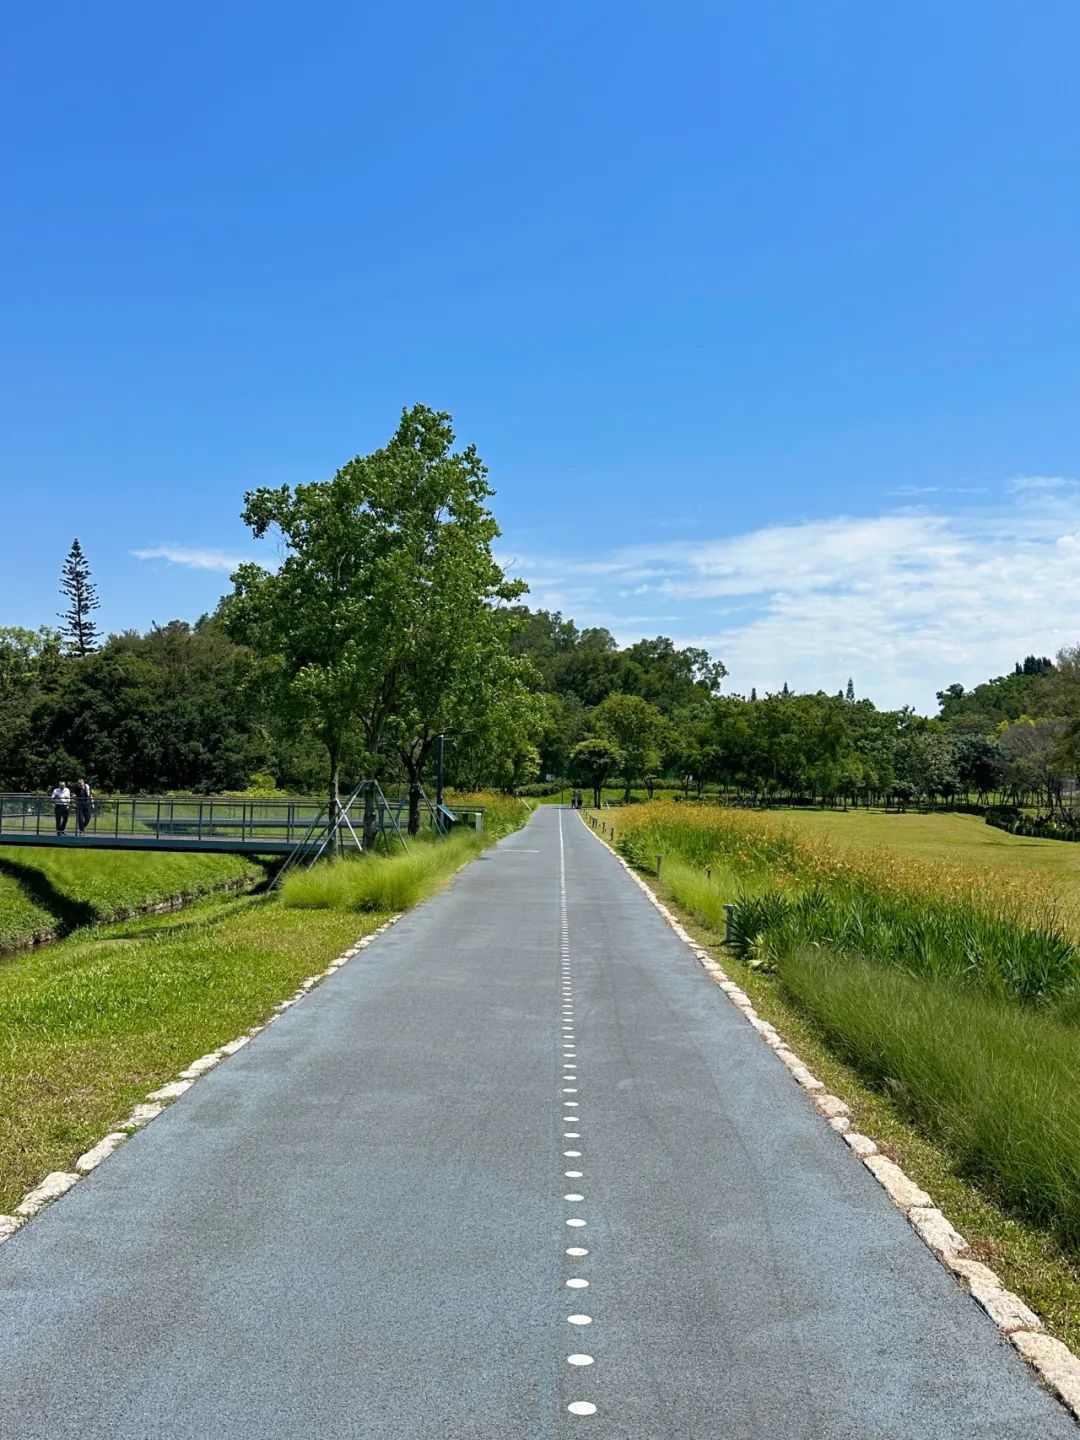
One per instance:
[(285, 820), (152, 817)]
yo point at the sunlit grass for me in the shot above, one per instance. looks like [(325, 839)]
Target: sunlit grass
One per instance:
[(995, 1083), (44, 893), (89, 1025), (377, 881), (1005, 933)]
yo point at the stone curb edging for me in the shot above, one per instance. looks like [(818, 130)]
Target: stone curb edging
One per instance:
[(1053, 1362), (59, 1182)]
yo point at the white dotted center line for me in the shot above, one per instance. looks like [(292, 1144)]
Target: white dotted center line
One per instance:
[(571, 1116)]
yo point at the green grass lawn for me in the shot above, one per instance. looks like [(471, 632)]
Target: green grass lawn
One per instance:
[(962, 839), (91, 1024), (53, 892)]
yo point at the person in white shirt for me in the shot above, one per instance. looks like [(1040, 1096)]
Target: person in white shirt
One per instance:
[(61, 798)]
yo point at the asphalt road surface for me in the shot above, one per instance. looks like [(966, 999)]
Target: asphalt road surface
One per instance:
[(518, 1160)]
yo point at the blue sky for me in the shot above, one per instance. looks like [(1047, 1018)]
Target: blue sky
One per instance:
[(764, 316)]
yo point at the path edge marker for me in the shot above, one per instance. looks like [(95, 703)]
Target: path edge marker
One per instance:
[(59, 1182), (1054, 1364)]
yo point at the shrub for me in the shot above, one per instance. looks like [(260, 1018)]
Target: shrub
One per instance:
[(379, 882)]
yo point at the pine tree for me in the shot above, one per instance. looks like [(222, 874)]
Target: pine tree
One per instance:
[(785, 692), (753, 692), (850, 693), (75, 584)]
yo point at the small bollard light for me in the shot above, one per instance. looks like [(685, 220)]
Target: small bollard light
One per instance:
[(729, 924), (708, 872), (658, 860)]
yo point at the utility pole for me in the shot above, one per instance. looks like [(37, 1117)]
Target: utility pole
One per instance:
[(441, 739)]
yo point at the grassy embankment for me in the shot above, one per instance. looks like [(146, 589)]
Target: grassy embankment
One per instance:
[(46, 893), (942, 1000), (89, 1025)]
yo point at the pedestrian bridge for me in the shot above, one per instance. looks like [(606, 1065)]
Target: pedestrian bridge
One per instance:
[(282, 825)]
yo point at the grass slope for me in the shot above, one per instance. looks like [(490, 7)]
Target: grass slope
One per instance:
[(48, 893)]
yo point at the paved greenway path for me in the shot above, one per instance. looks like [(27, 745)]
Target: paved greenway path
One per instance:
[(379, 1218)]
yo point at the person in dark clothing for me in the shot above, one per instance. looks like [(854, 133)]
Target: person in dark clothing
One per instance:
[(61, 798), (84, 806)]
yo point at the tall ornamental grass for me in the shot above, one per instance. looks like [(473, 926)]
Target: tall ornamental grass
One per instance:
[(994, 1083), (1006, 937), (379, 882)]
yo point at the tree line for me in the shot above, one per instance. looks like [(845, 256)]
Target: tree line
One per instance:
[(653, 715), (388, 623)]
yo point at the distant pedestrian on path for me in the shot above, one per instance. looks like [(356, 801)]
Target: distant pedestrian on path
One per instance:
[(61, 798), (84, 806)]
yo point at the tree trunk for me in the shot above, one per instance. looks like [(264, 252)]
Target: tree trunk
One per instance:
[(333, 804), (371, 822), (414, 795)]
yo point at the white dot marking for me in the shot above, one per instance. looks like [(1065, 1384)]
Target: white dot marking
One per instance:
[(575, 1223), (573, 1196), (579, 1319), (573, 1174), (581, 1407), (571, 1154), (577, 1284), (576, 1250), (579, 1359)]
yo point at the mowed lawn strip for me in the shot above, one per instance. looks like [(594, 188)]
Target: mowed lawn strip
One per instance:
[(963, 839), (90, 1025), (46, 893)]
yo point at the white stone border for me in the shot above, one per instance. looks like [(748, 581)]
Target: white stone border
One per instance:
[(59, 1182), (1054, 1363)]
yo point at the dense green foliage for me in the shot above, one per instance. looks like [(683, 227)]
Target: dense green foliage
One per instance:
[(389, 622), (1016, 738)]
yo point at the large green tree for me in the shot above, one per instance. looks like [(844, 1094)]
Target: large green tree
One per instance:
[(377, 563), (593, 761), (638, 730)]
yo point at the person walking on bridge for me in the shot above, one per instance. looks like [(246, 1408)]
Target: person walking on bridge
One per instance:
[(61, 798), (84, 806)]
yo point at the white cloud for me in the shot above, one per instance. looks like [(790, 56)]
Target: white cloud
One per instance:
[(192, 557), (906, 601)]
